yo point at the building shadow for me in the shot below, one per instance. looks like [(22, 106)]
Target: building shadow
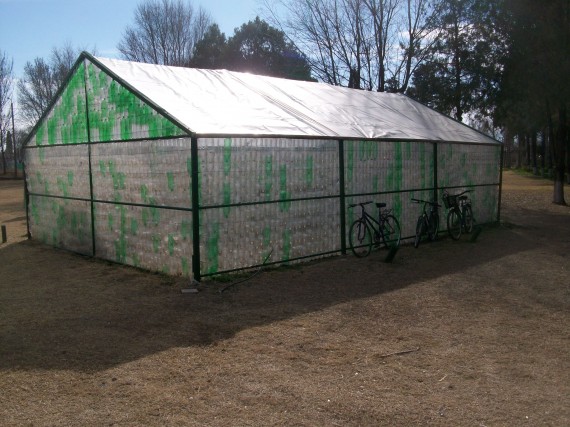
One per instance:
[(60, 310)]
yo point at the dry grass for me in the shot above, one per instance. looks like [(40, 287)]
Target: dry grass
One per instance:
[(453, 333)]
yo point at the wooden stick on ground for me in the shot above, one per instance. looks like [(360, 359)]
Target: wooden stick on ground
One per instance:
[(400, 352)]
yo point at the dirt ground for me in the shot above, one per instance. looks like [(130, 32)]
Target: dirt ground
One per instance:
[(449, 334)]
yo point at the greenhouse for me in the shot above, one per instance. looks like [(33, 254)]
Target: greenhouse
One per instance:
[(199, 172)]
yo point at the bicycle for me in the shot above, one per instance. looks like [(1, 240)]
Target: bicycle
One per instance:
[(367, 231), (428, 222), (460, 215)]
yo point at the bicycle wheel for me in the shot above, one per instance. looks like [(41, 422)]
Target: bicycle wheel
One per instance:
[(360, 238), (468, 215), (433, 226), (454, 224), (391, 233), (420, 229)]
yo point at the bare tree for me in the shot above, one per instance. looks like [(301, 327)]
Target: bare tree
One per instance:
[(364, 44), (41, 80), (320, 29), (165, 32), (380, 16), (415, 40), (35, 90), (6, 77), (62, 60)]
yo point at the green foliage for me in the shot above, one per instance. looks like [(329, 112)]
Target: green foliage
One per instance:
[(463, 68), (537, 69), (255, 47), (210, 51), (535, 90), (262, 49)]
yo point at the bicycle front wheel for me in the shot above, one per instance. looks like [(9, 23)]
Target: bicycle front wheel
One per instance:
[(420, 229), (454, 224), (391, 232), (360, 238), (433, 227), (468, 215)]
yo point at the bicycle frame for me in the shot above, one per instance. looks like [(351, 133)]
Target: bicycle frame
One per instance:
[(376, 225), (428, 222), (462, 210), (458, 205), (368, 230)]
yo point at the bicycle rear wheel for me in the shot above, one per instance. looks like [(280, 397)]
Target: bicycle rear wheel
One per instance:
[(420, 230), (391, 232), (468, 213), (454, 224), (433, 227), (360, 238)]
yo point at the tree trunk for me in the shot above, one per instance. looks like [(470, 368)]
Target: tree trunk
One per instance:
[(534, 155), (3, 155), (559, 143), (567, 157), (551, 143), (558, 197), (520, 150), (543, 152), (508, 148), (527, 151)]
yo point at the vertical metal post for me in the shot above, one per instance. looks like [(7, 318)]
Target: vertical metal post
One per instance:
[(195, 210), (91, 196), (435, 178), (500, 183), (27, 203), (14, 141), (92, 205), (342, 197)]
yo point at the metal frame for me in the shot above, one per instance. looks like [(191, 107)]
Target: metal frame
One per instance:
[(194, 155), (196, 208)]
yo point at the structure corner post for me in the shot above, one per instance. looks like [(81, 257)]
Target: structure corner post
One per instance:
[(342, 196), (195, 210), (435, 177)]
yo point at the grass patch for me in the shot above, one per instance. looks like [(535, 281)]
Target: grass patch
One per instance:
[(542, 174)]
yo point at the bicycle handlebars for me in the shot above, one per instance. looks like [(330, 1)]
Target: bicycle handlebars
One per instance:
[(353, 205), (456, 195), (426, 201)]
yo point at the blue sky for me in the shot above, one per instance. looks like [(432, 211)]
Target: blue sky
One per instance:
[(31, 28)]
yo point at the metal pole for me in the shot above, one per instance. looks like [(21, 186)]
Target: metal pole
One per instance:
[(14, 140), (27, 205), (435, 178), (342, 197), (500, 183), (89, 157), (195, 210), (2, 150)]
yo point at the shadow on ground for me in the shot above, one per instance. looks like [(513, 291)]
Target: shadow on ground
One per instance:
[(64, 311)]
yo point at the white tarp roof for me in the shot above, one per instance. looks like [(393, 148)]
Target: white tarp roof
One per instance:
[(220, 102)]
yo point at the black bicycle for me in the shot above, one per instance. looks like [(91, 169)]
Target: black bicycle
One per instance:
[(366, 231), (460, 215), (428, 222)]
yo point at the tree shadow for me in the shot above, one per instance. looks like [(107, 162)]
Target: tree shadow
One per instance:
[(59, 310)]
